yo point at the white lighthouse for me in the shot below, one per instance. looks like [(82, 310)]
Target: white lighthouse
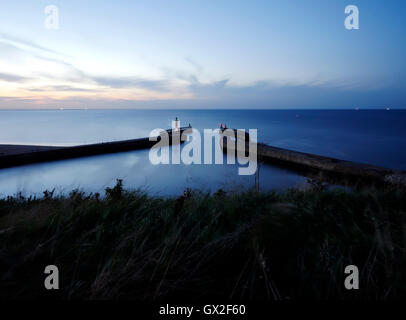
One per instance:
[(177, 124)]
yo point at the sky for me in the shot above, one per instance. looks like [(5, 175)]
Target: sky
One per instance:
[(202, 54)]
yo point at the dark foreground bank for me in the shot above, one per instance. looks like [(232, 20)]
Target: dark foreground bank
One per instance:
[(249, 246)]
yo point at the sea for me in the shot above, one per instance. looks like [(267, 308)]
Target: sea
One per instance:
[(375, 137)]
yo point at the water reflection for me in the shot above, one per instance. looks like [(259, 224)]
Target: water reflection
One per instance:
[(94, 174)]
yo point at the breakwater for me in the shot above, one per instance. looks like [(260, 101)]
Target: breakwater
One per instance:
[(313, 164), (14, 155)]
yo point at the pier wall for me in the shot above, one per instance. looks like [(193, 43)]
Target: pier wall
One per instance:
[(62, 153)]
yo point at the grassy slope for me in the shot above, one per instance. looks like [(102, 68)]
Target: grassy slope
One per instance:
[(239, 246)]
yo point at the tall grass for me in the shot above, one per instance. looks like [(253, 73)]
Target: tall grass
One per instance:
[(248, 245)]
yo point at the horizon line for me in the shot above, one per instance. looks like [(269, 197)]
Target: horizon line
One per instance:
[(205, 109)]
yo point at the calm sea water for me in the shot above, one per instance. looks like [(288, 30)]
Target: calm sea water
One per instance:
[(370, 136)]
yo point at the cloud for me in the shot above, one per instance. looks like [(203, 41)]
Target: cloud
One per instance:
[(195, 64), (223, 93), (20, 52), (61, 88), (12, 77), (71, 73), (132, 82), (26, 43)]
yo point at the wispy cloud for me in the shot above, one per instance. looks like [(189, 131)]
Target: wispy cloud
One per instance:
[(71, 73), (60, 89), (28, 45), (195, 64), (62, 82), (12, 77), (132, 82)]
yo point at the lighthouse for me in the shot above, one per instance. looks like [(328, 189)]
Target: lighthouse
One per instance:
[(177, 124)]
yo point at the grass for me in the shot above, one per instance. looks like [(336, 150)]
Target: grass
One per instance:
[(248, 245)]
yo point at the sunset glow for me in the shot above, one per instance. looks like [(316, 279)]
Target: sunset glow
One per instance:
[(127, 54)]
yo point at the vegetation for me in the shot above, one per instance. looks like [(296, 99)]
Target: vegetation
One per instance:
[(248, 245)]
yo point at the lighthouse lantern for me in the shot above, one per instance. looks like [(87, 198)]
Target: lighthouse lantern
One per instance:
[(177, 124)]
